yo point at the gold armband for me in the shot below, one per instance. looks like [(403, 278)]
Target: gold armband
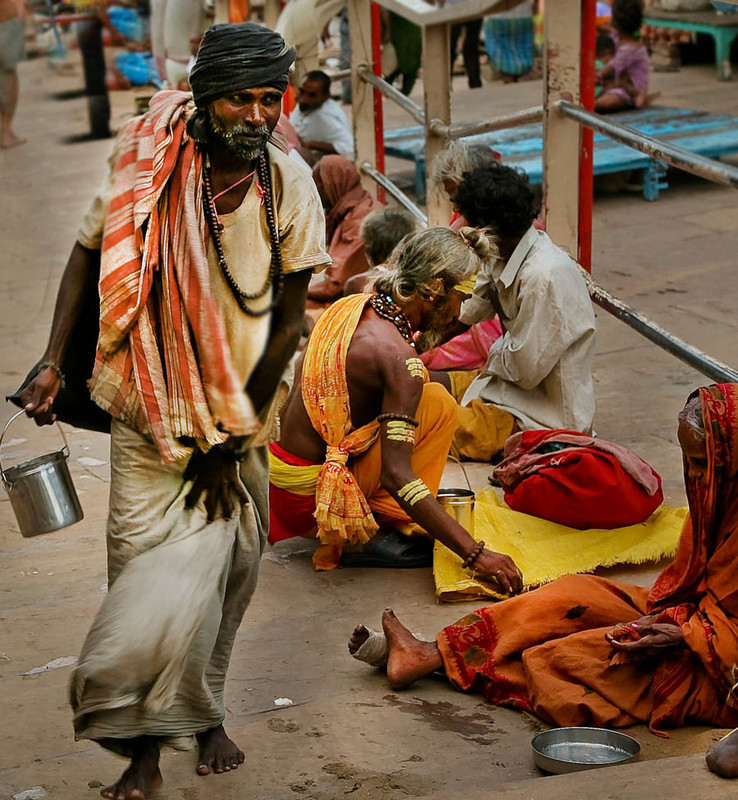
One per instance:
[(414, 492), (400, 431), (415, 367)]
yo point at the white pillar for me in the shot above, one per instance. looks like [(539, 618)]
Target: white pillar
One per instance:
[(437, 98), (562, 136), (362, 105)]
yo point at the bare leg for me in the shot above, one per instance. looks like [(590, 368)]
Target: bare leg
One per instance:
[(9, 95), (217, 753), (608, 102), (142, 776), (722, 757), (410, 659)]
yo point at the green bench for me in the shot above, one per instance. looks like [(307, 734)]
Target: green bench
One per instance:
[(722, 27)]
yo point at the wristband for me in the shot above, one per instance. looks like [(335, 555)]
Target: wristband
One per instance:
[(56, 368)]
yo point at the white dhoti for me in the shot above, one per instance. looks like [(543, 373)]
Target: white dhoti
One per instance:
[(154, 662)]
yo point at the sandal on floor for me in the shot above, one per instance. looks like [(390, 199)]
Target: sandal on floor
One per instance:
[(393, 550)]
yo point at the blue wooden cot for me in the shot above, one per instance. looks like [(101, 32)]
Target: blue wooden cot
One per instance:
[(711, 135)]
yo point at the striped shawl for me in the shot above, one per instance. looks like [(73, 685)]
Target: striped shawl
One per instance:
[(163, 364)]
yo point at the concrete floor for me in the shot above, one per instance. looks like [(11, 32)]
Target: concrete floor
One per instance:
[(345, 733)]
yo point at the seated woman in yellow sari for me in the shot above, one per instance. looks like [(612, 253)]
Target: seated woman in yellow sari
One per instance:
[(364, 436)]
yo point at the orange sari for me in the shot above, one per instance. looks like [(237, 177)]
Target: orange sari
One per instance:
[(545, 652)]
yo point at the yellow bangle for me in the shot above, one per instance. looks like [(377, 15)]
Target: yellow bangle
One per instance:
[(400, 431), (415, 367), (414, 492)]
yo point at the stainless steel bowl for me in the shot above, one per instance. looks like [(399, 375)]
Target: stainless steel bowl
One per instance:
[(563, 750)]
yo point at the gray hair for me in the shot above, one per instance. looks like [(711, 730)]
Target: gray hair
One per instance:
[(432, 261), (382, 230), (457, 158), (691, 416)]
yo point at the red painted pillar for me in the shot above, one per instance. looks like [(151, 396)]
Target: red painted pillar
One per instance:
[(587, 88), (378, 108)]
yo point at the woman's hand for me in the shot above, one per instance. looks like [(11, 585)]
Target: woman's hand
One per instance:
[(215, 475), (653, 638), (500, 569), (38, 397)]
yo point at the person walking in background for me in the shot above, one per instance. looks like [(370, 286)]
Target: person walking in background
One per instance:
[(508, 36), (12, 49), (470, 49)]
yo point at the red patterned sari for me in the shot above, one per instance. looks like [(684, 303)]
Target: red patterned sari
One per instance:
[(546, 652)]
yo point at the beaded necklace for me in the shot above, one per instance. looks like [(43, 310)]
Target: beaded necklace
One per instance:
[(385, 307), (276, 275)]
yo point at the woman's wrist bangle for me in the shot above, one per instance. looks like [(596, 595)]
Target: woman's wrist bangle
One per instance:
[(56, 368)]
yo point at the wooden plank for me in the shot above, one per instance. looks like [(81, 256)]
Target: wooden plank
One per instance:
[(437, 100), (562, 136), (360, 28)]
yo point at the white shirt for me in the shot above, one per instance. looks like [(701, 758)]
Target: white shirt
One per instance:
[(325, 124), (540, 370)]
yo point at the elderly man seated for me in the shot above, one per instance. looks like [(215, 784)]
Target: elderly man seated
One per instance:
[(364, 436), (319, 121), (538, 373), (585, 650)]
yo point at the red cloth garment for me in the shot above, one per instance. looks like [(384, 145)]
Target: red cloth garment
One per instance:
[(290, 514), (584, 483)]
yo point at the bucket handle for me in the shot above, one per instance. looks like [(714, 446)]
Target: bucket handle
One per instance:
[(453, 458), (15, 416)]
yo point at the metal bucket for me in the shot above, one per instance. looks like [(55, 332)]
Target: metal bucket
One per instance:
[(459, 504), (41, 490)]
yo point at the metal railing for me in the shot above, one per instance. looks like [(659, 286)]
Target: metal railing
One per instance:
[(464, 129), (663, 151), (712, 368), (439, 128), (389, 91), (394, 191)]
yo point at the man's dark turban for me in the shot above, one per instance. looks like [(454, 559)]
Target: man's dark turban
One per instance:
[(236, 56)]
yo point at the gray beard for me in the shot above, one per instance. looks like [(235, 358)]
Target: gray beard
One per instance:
[(231, 141)]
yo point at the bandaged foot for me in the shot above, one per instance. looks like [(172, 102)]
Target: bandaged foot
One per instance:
[(369, 646)]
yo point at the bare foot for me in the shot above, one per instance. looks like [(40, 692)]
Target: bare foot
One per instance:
[(357, 638), (217, 753), (141, 777), (409, 658), (11, 140), (722, 757)]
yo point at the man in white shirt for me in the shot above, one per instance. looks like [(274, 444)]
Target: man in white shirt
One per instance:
[(319, 121), (539, 372)]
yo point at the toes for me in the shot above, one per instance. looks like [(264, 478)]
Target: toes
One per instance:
[(108, 792), (241, 757), (203, 769)]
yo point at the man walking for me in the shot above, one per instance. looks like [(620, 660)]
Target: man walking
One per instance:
[(207, 236)]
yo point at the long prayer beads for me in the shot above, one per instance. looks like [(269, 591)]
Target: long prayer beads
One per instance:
[(276, 274), (386, 308)]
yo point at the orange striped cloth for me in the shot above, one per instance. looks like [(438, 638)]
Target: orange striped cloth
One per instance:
[(341, 510), (163, 364)]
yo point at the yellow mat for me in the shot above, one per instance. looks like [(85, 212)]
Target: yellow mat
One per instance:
[(545, 551)]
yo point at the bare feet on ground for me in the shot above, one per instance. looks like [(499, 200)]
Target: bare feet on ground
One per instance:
[(409, 658), (722, 757), (357, 638), (217, 753), (141, 777), (10, 140)]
